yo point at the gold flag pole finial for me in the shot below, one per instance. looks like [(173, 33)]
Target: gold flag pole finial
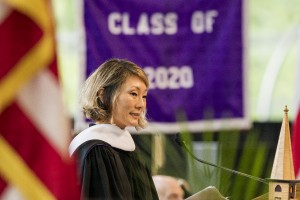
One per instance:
[(286, 110)]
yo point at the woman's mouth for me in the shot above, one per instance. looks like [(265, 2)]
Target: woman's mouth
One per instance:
[(135, 115)]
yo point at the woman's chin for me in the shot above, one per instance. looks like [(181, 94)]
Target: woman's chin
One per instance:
[(134, 123)]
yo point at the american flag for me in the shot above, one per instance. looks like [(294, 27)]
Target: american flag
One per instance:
[(296, 145), (34, 128)]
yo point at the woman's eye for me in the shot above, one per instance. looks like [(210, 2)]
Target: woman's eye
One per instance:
[(133, 94), (145, 97)]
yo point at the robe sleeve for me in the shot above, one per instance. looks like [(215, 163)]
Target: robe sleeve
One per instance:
[(140, 178), (103, 174)]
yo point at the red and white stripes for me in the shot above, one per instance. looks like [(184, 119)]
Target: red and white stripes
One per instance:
[(34, 128)]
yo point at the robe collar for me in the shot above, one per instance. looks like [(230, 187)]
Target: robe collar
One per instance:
[(109, 133)]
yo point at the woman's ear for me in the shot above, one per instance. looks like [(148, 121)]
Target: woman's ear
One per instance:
[(100, 98), (100, 94)]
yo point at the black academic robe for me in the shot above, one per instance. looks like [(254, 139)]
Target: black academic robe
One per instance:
[(111, 173)]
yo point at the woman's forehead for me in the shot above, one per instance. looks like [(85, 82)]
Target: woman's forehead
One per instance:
[(135, 82)]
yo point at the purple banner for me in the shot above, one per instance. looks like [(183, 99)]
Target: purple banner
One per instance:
[(192, 52)]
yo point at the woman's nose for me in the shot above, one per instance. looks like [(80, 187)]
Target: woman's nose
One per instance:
[(141, 103)]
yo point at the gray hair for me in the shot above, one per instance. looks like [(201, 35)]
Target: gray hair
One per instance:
[(107, 79)]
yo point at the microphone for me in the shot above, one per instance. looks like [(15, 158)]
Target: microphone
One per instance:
[(182, 143)]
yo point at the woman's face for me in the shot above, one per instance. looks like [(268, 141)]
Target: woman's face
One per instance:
[(130, 104)]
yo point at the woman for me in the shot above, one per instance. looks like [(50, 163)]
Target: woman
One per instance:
[(114, 97)]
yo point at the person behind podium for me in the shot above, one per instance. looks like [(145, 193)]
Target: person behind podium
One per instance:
[(168, 188), (113, 97)]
